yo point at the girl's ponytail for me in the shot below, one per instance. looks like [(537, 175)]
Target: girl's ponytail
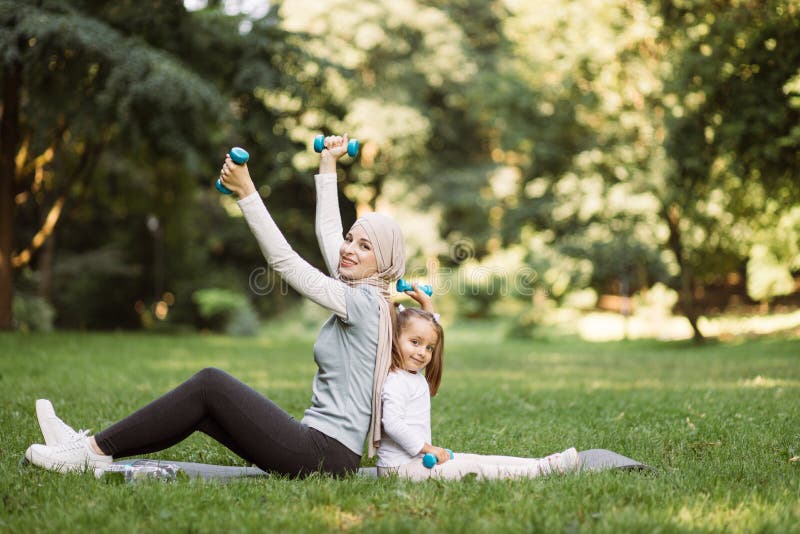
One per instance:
[(397, 326)]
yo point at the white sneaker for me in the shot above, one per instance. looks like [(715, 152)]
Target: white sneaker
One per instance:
[(54, 430), (75, 455), (564, 462)]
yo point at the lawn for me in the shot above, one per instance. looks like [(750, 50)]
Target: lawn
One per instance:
[(721, 423)]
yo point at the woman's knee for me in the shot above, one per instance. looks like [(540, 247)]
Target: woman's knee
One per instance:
[(211, 375)]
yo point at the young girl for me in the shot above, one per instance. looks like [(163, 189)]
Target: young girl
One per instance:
[(419, 346), (352, 353)]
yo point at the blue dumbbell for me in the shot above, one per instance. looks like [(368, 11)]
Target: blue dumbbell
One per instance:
[(429, 460), (239, 157), (403, 286), (352, 145)]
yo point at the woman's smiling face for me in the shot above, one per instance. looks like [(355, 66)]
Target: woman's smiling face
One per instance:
[(356, 256)]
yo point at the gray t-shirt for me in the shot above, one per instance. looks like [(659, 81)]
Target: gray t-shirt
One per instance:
[(345, 350)]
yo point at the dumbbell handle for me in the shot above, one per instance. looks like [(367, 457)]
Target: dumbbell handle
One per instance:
[(352, 145), (429, 460), (403, 286), (239, 157)]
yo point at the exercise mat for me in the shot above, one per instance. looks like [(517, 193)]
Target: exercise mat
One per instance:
[(602, 459), (135, 468)]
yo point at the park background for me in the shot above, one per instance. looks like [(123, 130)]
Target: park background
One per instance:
[(567, 174), (540, 156)]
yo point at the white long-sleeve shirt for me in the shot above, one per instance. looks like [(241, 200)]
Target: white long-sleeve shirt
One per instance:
[(406, 418), (297, 272), (341, 405)]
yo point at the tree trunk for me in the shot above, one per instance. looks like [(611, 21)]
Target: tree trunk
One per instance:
[(688, 304), (45, 267), (686, 289), (9, 139)]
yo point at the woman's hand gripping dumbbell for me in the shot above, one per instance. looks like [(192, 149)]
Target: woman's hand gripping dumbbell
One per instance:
[(352, 145), (239, 156)]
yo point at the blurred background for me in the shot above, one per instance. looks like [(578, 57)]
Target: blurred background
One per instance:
[(607, 168)]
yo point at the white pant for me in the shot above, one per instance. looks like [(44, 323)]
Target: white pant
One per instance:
[(485, 467)]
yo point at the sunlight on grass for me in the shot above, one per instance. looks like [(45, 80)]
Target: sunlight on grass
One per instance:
[(762, 382), (185, 363), (259, 378), (229, 343), (335, 518), (265, 381), (605, 326), (742, 516), (506, 375), (618, 385)]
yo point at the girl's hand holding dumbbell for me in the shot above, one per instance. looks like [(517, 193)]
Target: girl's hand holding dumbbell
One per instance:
[(236, 177), (422, 297), (441, 455)]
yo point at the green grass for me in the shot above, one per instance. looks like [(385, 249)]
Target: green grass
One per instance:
[(721, 423)]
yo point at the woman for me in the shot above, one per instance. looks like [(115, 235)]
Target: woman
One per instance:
[(352, 353)]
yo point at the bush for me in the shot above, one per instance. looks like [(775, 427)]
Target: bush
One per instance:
[(767, 276), (32, 313), (227, 311), (243, 322)]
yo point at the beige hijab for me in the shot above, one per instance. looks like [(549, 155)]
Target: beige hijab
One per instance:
[(390, 253)]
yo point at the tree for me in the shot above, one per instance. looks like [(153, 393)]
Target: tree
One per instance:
[(685, 111), (732, 135), (577, 136), (103, 98), (405, 65)]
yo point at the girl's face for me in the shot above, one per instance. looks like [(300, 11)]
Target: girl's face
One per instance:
[(416, 343), (356, 255)]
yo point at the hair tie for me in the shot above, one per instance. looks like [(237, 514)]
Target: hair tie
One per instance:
[(401, 309)]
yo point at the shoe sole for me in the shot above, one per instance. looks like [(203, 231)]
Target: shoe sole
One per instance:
[(31, 459)]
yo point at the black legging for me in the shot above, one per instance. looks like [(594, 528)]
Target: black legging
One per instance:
[(237, 416)]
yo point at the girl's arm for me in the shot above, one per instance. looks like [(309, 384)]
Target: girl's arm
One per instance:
[(425, 302), (395, 400), (442, 455)]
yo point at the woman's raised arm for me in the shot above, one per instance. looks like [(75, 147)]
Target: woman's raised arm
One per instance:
[(328, 221), (280, 256)]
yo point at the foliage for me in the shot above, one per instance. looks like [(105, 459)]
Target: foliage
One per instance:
[(731, 128), (774, 258), (33, 314), (527, 324), (226, 311), (409, 64), (620, 144), (127, 109)]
